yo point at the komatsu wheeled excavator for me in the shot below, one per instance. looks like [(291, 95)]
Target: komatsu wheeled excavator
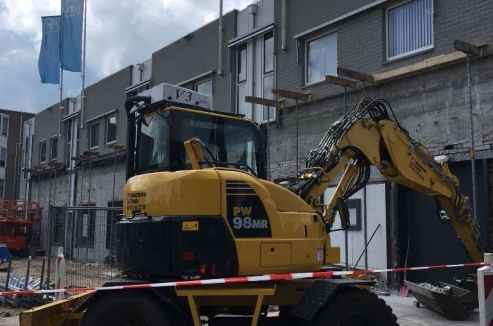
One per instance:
[(197, 206)]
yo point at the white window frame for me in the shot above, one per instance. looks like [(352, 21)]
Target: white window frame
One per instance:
[(106, 129), (256, 74), (203, 81), (415, 51), (90, 135), (39, 149), (266, 74), (307, 42), (50, 158), (243, 82)]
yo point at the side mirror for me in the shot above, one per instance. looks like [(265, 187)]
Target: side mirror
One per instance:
[(343, 213)]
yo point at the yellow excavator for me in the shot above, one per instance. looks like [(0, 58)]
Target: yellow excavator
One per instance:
[(197, 206)]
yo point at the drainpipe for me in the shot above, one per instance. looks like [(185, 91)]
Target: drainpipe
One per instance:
[(283, 25), (220, 35)]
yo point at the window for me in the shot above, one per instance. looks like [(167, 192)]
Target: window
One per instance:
[(58, 225), (53, 148), (321, 58), (204, 87), (256, 76), (242, 62), (268, 52), (94, 135), (111, 129), (268, 114), (3, 156), (42, 151), (5, 126), (242, 86), (86, 225), (409, 28), (2, 186)]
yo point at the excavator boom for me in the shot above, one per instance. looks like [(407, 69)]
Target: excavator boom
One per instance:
[(367, 135)]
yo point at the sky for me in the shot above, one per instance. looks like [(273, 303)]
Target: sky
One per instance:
[(119, 33)]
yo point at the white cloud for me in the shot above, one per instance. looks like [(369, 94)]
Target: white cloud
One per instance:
[(119, 33)]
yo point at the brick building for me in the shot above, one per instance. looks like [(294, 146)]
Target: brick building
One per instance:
[(11, 156)]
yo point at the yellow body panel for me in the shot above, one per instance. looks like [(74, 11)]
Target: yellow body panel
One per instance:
[(180, 193), (298, 237)]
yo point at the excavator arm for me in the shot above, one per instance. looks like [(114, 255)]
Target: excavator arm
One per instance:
[(366, 136)]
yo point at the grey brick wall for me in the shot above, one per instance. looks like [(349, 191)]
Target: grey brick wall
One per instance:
[(433, 105), (46, 126), (102, 97), (361, 38), (196, 54)]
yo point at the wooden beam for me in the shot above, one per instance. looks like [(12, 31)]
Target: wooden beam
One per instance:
[(467, 48), (116, 146), (55, 164), (413, 69), (263, 101), (355, 75), (341, 81), (91, 153), (305, 97)]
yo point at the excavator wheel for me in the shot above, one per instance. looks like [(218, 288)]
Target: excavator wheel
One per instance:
[(355, 307), (132, 308)]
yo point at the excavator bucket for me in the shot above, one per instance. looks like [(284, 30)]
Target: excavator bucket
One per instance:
[(453, 302)]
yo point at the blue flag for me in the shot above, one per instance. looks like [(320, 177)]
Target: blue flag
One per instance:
[(49, 54), (71, 44)]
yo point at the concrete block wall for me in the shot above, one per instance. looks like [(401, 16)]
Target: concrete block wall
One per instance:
[(98, 181)]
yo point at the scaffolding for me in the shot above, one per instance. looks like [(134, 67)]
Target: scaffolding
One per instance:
[(19, 225)]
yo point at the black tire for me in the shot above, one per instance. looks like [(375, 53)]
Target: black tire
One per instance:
[(129, 308), (355, 307)]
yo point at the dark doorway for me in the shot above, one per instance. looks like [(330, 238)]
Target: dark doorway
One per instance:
[(433, 242)]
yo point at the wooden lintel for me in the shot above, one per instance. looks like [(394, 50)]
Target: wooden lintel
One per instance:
[(263, 101), (91, 153), (467, 48), (305, 97), (54, 164), (116, 146), (355, 75), (341, 81), (419, 67)]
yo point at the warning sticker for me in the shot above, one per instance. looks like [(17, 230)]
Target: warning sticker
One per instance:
[(190, 225)]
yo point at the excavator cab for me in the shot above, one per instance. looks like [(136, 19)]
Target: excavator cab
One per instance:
[(160, 122)]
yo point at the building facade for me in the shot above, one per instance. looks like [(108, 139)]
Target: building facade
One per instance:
[(11, 138), (406, 47)]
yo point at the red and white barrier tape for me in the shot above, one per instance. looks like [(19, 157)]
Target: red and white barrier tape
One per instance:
[(243, 279)]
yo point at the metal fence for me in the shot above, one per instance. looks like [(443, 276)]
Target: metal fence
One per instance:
[(87, 236)]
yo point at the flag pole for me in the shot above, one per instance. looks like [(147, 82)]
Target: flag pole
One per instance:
[(61, 103), (83, 70)]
